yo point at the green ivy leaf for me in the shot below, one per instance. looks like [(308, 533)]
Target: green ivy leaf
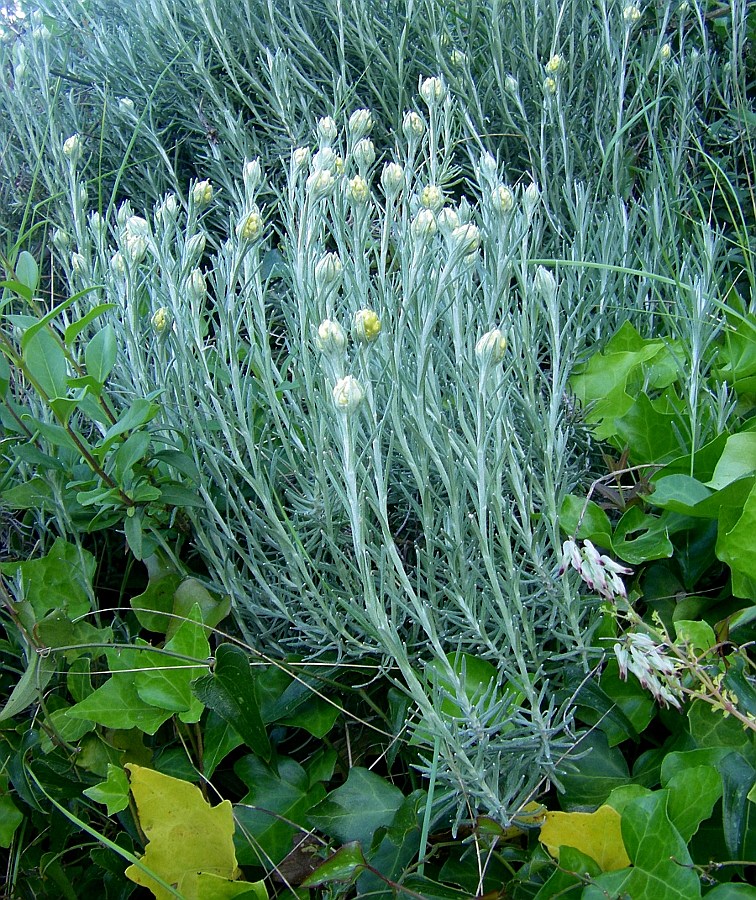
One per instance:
[(354, 811), (739, 813), (343, 866), (588, 781), (264, 832), (230, 691), (693, 792), (113, 792), (10, 818)]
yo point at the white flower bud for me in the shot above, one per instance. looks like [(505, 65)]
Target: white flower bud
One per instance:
[(466, 239), (424, 225), (331, 338), (299, 158), (530, 198), (96, 224), (320, 184), (367, 326), (364, 154), (357, 189), (161, 320), (323, 160), (392, 179), (196, 285), (78, 263), (432, 90), (61, 239), (554, 65), (631, 14), (328, 271), (118, 263), (413, 126), (136, 225), (511, 85), (251, 226), (448, 220), (202, 193), (347, 394), (360, 123), (167, 209), (135, 247), (545, 283), (502, 199), (488, 168), (252, 174), (126, 105), (491, 347), (195, 247), (72, 148), (431, 197), (81, 196), (327, 131), (665, 52)]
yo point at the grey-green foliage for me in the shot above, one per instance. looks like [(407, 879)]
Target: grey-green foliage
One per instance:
[(423, 522)]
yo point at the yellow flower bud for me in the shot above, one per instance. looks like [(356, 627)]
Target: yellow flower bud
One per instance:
[(631, 14), (367, 326), (413, 126), (161, 320), (392, 179), (251, 226), (320, 184), (357, 189), (328, 272), (202, 193), (432, 197), (327, 131), (72, 148), (549, 86), (364, 153), (502, 199), (466, 238), (555, 64)]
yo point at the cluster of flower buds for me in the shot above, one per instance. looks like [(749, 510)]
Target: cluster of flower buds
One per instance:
[(656, 672), (599, 572)]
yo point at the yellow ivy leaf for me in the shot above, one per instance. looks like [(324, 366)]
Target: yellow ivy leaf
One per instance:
[(187, 839), (597, 834)]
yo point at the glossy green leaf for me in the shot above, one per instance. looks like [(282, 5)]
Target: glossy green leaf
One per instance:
[(634, 701), (27, 270), (219, 739), (75, 328), (30, 686), (46, 363), (648, 432), (739, 813), (151, 606), (138, 414), (117, 704), (740, 682), (165, 681), (62, 580), (679, 493), (639, 537), (693, 792), (698, 635), (132, 451), (588, 781), (10, 818), (594, 524), (230, 691), (709, 728), (738, 459), (353, 812), (564, 882), (274, 811), (113, 792), (736, 546), (100, 353), (344, 866)]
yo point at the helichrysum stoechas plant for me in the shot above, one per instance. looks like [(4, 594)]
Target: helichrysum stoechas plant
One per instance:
[(365, 350)]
